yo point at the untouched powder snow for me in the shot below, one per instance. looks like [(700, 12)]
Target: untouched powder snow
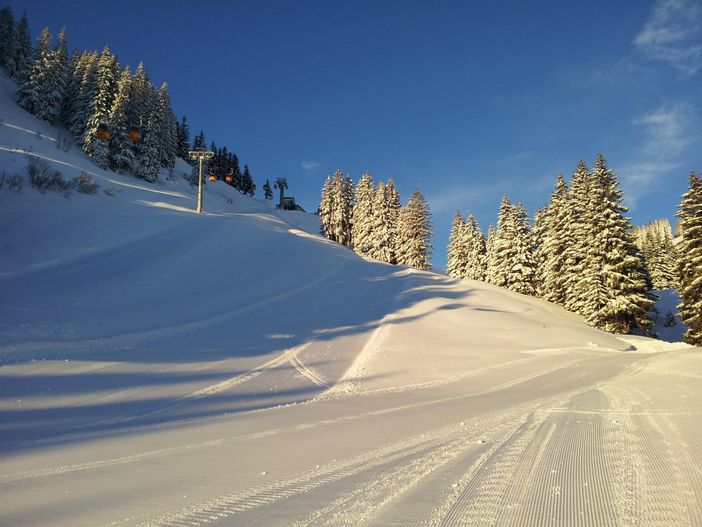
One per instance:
[(165, 368)]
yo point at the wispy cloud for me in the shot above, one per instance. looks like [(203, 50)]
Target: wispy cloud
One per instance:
[(673, 34), (469, 197), (667, 133), (666, 129), (642, 178), (311, 166)]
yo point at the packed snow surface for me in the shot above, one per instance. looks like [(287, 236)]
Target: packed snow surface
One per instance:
[(166, 368)]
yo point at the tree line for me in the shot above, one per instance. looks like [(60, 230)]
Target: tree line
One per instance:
[(582, 253), (371, 220), (118, 118)]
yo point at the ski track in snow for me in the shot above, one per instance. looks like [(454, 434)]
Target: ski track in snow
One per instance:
[(433, 447)]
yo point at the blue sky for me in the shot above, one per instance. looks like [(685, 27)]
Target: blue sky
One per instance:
[(464, 100)]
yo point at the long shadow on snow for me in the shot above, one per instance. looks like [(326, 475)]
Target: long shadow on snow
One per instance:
[(348, 308), (32, 429)]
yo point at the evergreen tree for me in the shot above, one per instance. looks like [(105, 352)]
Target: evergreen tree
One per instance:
[(121, 146), (237, 176), (106, 77), (475, 265), (41, 92), (392, 198), (31, 95), (521, 275), (57, 79), (362, 219), (500, 245), (414, 233), (183, 139), (457, 250), (142, 98), (579, 227), (554, 246), (247, 185), (342, 203), (168, 140), (381, 239), (489, 254), (613, 278), (150, 154), (7, 34), (72, 86), (267, 192), (19, 57), (325, 208), (199, 142), (158, 148), (511, 262), (690, 260), (86, 93), (655, 241), (538, 235)]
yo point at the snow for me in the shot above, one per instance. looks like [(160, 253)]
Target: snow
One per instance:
[(235, 368)]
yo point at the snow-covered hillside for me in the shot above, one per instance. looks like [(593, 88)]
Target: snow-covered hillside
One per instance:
[(166, 368)]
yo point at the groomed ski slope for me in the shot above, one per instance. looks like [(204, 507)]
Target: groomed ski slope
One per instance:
[(165, 368)]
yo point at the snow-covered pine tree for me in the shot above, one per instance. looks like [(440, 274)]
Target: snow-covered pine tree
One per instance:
[(7, 33), (555, 244), (655, 241), (199, 143), (489, 254), (538, 233), (521, 272), (511, 263), (457, 251), (19, 58), (414, 233), (475, 254), (392, 198), (32, 92), (168, 140), (236, 171), (141, 103), (267, 192), (247, 184), (342, 201), (501, 245), (183, 139), (325, 208), (121, 146), (70, 92), (690, 260), (580, 231), (41, 93), (143, 97), (106, 77), (86, 93), (217, 165), (362, 215), (149, 160), (616, 298), (158, 147), (57, 78), (382, 234)]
